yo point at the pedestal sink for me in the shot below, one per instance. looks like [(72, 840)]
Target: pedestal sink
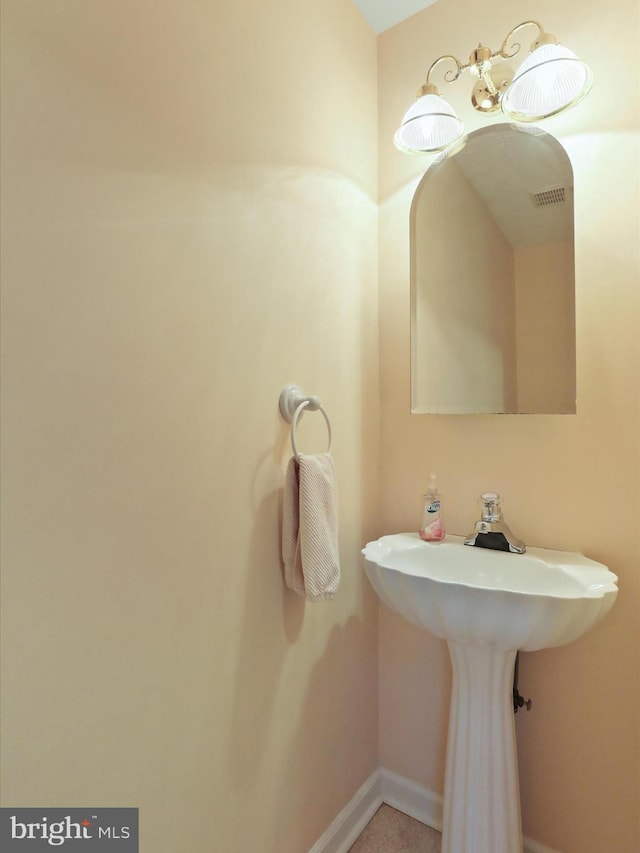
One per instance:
[(487, 605)]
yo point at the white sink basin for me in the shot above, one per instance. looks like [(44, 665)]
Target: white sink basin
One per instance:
[(487, 605), (476, 596)]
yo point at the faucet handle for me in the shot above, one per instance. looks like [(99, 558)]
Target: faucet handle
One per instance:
[(491, 506)]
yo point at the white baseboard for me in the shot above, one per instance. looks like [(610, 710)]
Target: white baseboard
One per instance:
[(353, 818), (424, 805), (385, 786), (535, 847), (412, 799)]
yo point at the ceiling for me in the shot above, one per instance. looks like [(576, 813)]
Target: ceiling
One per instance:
[(382, 14)]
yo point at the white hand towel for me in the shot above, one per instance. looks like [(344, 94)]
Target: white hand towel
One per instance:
[(310, 527)]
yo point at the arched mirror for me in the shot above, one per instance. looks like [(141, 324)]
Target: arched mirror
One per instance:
[(492, 278)]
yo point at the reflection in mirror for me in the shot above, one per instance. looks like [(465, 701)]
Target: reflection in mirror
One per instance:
[(492, 278)]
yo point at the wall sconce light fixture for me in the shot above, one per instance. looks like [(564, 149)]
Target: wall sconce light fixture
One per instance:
[(550, 80)]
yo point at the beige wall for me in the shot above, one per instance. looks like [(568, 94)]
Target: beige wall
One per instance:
[(463, 326), (189, 224), (568, 482), (545, 328)]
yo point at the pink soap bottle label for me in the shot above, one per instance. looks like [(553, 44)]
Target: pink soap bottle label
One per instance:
[(432, 532)]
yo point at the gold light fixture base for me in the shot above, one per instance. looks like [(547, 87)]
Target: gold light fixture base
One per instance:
[(490, 87)]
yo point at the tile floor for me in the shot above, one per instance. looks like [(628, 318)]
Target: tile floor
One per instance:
[(391, 831)]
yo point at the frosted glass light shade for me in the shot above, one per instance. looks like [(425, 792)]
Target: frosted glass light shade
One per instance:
[(430, 124), (550, 80)]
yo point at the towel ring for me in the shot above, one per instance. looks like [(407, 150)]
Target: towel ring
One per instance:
[(293, 402)]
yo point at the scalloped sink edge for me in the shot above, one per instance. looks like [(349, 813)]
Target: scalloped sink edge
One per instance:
[(476, 596)]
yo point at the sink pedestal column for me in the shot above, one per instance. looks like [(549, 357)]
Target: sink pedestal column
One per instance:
[(481, 797)]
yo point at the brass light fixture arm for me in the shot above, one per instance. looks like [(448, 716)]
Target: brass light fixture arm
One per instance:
[(450, 76), (481, 56), (510, 49)]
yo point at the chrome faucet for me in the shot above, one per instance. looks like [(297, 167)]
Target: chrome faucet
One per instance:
[(492, 531)]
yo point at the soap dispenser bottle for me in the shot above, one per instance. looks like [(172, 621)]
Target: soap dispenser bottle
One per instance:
[(432, 527)]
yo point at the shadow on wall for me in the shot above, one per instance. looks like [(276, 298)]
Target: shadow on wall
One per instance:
[(297, 703), (329, 733), (272, 621)]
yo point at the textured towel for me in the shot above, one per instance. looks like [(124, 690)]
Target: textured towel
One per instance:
[(310, 527)]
